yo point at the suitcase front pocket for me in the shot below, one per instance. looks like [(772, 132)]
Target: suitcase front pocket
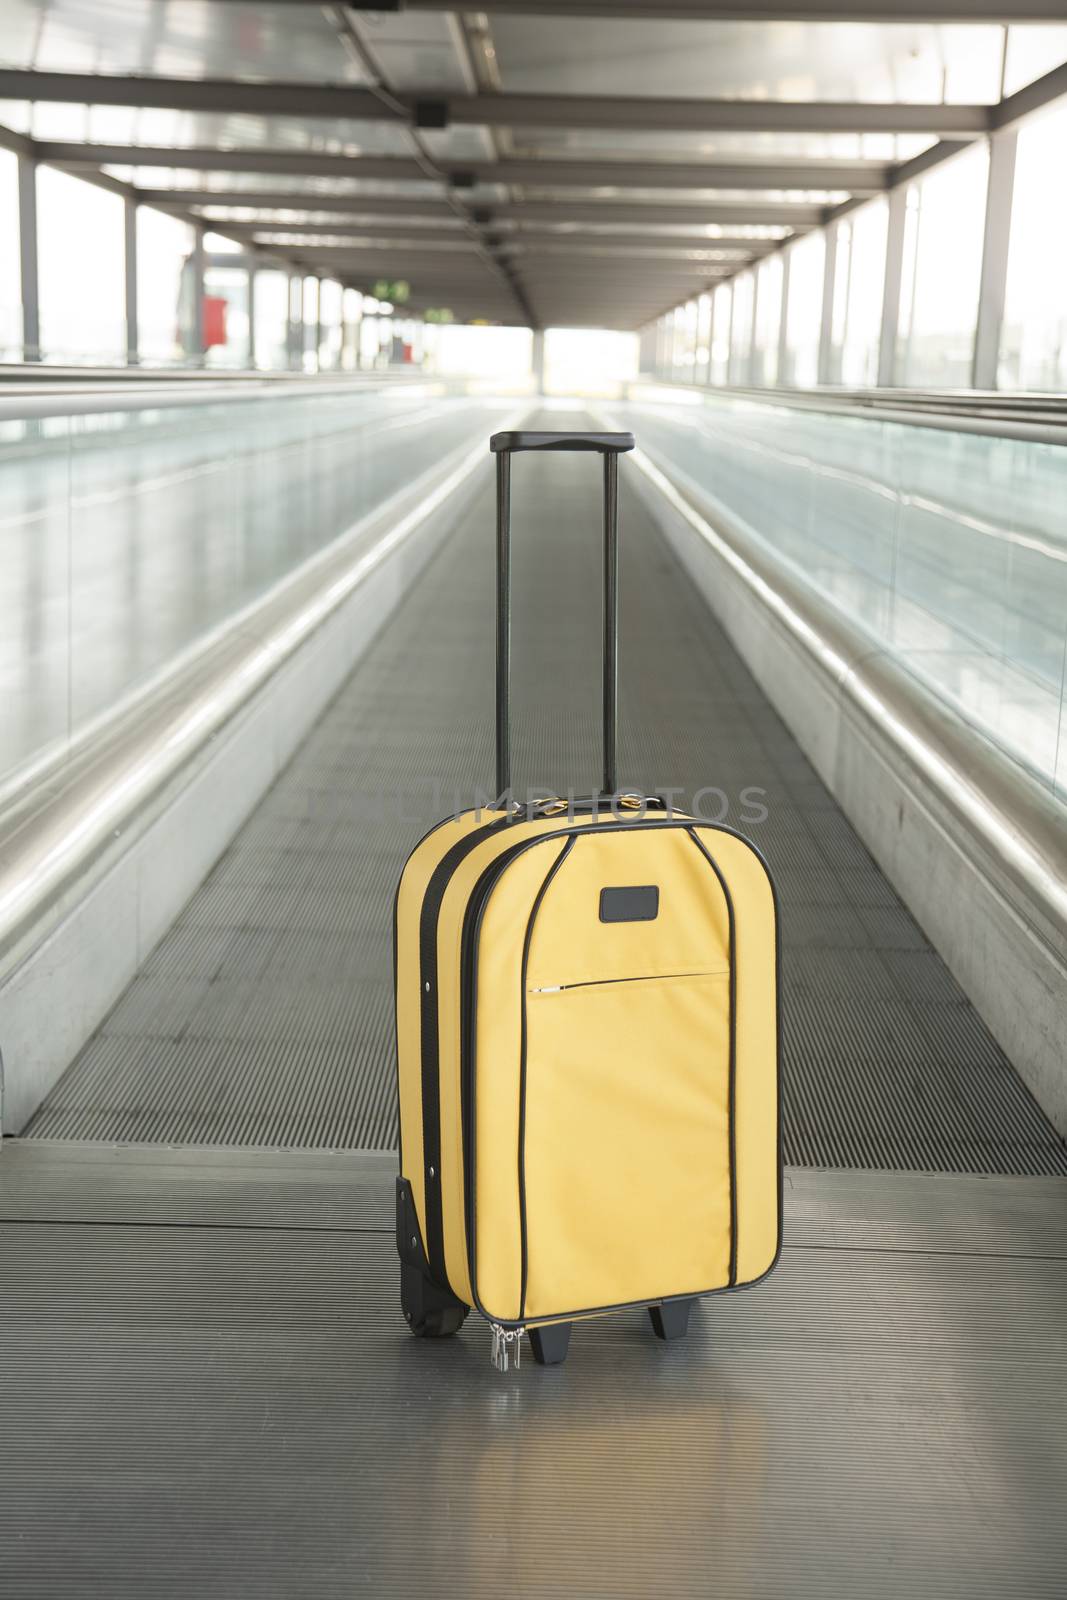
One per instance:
[(625, 1141)]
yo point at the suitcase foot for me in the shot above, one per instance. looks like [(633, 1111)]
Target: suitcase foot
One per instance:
[(670, 1319), (550, 1344), (430, 1312)]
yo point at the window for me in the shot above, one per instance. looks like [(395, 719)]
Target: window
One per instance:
[(689, 316), (741, 328), (164, 244), (803, 318), (865, 284), (330, 331), (271, 319), (768, 320), (10, 268), (666, 345), (310, 318), (942, 272), (81, 265), (683, 341), (703, 350), (352, 306), (719, 371), (1033, 345), (840, 241), (1032, 51), (226, 316)]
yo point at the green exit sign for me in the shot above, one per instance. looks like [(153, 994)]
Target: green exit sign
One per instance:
[(396, 293)]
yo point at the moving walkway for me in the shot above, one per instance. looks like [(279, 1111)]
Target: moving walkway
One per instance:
[(198, 1269)]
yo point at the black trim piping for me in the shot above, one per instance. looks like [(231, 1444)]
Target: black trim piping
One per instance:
[(731, 1092), (396, 978), (534, 909), (429, 1040)]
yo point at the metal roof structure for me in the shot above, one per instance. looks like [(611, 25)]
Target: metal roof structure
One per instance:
[(518, 170)]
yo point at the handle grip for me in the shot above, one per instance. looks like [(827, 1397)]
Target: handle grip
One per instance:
[(605, 443), (609, 446)]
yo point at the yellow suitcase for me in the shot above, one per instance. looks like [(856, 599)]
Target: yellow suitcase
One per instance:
[(587, 1042)]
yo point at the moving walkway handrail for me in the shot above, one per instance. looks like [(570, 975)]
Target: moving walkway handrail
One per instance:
[(103, 395), (55, 827), (1016, 824), (998, 416)]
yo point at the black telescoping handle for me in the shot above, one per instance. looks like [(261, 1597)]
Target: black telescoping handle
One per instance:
[(609, 445), (523, 439)]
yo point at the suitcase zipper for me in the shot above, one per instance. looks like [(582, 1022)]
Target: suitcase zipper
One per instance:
[(641, 977)]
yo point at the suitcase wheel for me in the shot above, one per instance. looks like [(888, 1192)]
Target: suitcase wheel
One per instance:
[(550, 1344), (430, 1312), (670, 1319)]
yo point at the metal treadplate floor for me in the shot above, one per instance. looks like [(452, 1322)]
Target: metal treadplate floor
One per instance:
[(233, 1407), (264, 1017)]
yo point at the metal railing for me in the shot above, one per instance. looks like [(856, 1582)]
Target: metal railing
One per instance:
[(1035, 418), (162, 555), (947, 548)]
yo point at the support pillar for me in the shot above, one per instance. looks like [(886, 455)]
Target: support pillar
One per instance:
[(894, 264), (31, 317), (783, 375), (702, 369), (749, 361), (197, 347), (129, 235), (294, 342), (999, 196), (251, 316), (826, 325), (537, 360)]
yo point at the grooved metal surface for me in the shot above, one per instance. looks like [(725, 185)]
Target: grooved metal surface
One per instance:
[(238, 1411), (66, 1181), (264, 1017)]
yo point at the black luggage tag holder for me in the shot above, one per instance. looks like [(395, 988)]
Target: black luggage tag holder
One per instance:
[(610, 446)]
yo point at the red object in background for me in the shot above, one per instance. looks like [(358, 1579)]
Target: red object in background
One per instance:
[(409, 354), (214, 320)]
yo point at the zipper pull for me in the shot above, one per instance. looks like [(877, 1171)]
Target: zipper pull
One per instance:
[(503, 1339)]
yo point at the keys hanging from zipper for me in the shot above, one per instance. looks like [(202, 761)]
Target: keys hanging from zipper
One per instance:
[(503, 1340)]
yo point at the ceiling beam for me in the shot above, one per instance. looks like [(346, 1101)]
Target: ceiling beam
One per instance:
[(370, 205), (1032, 97), (386, 232), (539, 234), (691, 213), (308, 99), (628, 274), (298, 163), (626, 112), (434, 251), (390, 265), (637, 212), (942, 11), (532, 238), (632, 113), (859, 177), (527, 247), (473, 272)]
